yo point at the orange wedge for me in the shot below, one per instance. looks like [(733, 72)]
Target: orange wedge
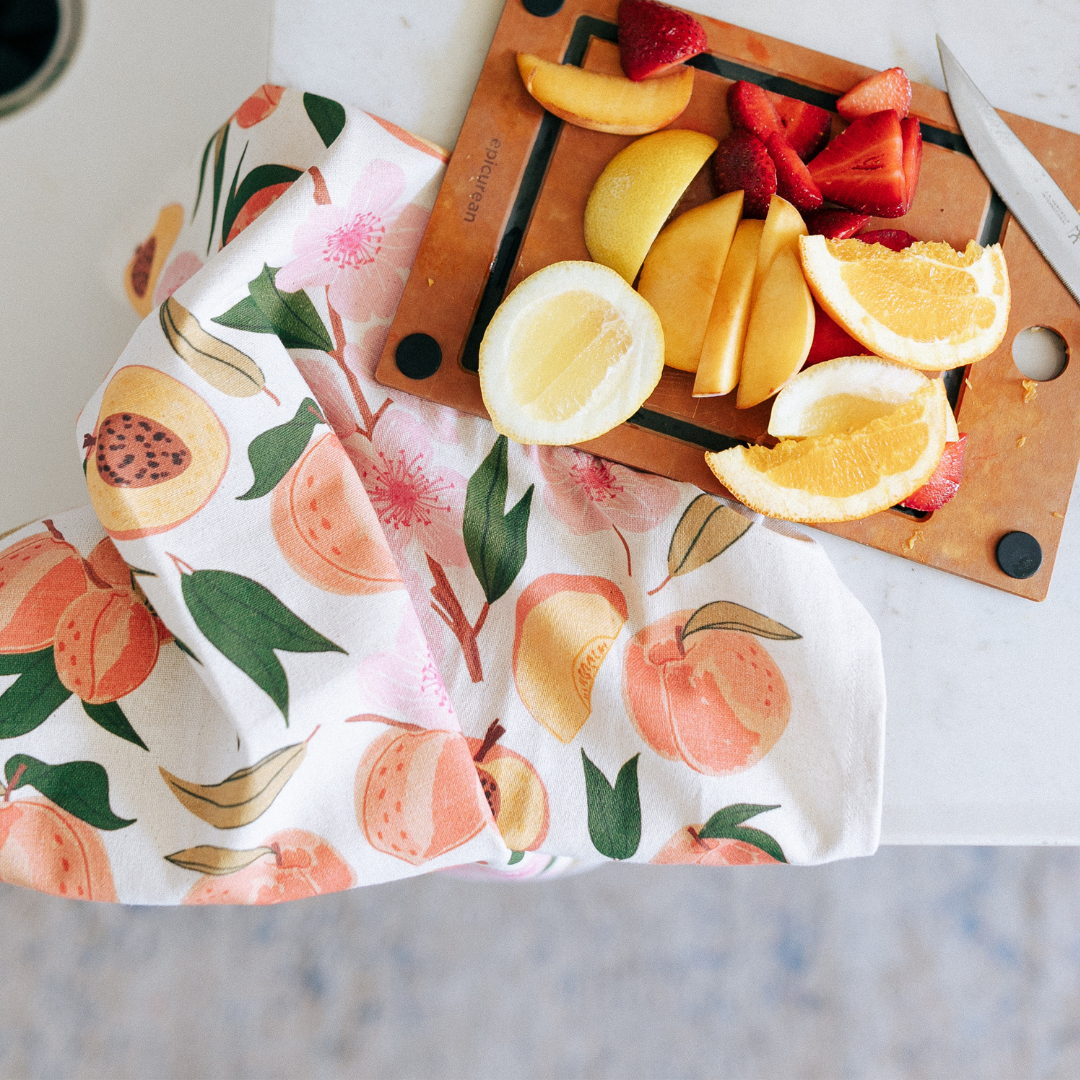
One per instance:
[(840, 477), (929, 307)]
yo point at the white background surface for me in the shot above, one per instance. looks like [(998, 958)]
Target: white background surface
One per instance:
[(983, 740)]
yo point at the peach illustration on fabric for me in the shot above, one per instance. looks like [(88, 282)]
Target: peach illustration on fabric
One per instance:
[(418, 796), (325, 526), (39, 576), (259, 106), (260, 202), (564, 627), (48, 849), (514, 791), (106, 645), (687, 847), (716, 700), (359, 251), (299, 864), (404, 684), (183, 267)]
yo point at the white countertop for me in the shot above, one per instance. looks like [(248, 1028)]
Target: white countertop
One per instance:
[(982, 745)]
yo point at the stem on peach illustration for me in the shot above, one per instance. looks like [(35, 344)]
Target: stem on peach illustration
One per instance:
[(626, 547), (447, 606), (322, 193), (56, 533), (14, 782), (493, 734), (653, 592), (697, 838)]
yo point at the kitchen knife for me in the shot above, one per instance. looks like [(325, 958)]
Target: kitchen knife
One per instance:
[(1024, 185)]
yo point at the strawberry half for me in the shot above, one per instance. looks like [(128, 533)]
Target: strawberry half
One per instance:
[(835, 224), (911, 133), (806, 127), (793, 181), (741, 162), (893, 239), (830, 340), (862, 169), (945, 481), (749, 107), (654, 37), (886, 90)]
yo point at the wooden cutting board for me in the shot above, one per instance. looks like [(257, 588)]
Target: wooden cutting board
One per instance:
[(513, 201)]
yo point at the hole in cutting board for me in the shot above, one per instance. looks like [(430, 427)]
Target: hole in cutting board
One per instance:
[(1040, 353)]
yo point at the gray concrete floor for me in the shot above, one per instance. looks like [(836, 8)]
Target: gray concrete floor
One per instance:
[(916, 963)]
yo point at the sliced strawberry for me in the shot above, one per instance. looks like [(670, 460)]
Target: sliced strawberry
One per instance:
[(893, 239), (911, 133), (831, 340), (886, 90), (749, 107), (806, 127), (945, 481), (793, 181), (654, 37), (862, 169), (835, 224), (741, 162)]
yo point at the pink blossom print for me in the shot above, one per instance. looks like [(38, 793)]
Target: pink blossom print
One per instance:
[(588, 493), (420, 504), (359, 252), (404, 685), (182, 269)]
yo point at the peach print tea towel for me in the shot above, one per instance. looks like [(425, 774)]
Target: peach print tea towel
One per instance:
[(313, 635)]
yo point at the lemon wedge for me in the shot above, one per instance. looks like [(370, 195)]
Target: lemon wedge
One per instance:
[(846, 475), (928, 306), (571, 353)]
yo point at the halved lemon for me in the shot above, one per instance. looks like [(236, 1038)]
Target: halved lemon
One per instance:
[(571, 353), (840, 395), (928, 306), (846, 476)]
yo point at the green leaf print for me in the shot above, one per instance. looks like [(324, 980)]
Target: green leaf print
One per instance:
[(112, 718), (79, 787), (614, 812), (273, 453), (33, 697), (268, 310), (727, 824), (327, 116), (246, 622), (496, 542), (221, 143), (262, 176)]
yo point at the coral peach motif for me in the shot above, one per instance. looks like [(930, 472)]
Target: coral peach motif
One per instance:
[(39, 576), (48, 849), (326, 528), (716, 700), (513, 790), (418, 795), (259, 106), (299, 864), (106, 645), (564, 626), (686, 846)]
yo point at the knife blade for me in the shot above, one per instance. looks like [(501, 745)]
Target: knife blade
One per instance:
[(1026, 188)]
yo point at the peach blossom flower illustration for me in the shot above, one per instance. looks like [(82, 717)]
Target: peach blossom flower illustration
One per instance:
[(359, 252), (182, 268), (589, 494), (404, 684)]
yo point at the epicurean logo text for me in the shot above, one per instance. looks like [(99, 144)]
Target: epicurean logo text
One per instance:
[(481, 179)]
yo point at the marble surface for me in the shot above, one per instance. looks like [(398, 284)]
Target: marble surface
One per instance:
[(982, 747)]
